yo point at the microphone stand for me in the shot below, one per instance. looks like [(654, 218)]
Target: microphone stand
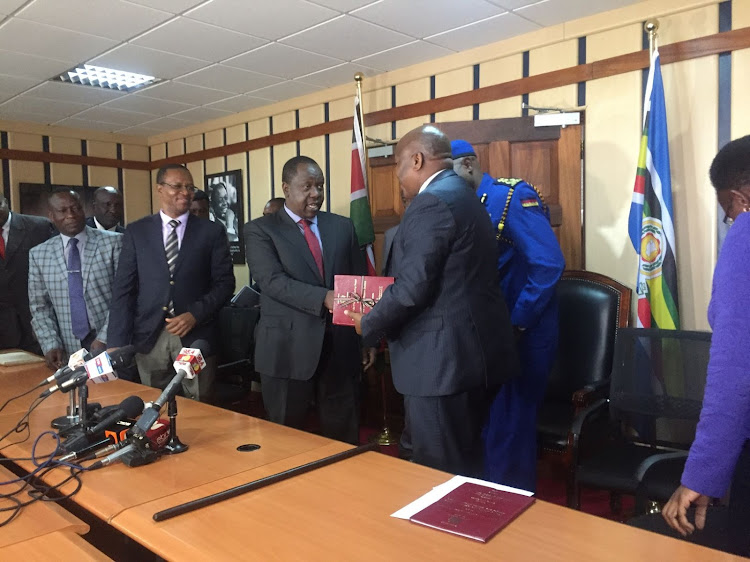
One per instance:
[(72, 418), (175, 445)]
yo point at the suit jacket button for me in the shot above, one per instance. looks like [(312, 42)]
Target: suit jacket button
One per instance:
[(171, 282), (164, 308)]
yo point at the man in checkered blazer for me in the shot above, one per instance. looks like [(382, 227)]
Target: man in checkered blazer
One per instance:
[(70, 282)]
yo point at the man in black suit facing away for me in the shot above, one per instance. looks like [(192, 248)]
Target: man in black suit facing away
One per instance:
[(107, 210), (448, 329), (294, 255), (20, 233), (175, 274)]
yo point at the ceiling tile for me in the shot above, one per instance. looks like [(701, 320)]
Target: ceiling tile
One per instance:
[(140, 130), (51, 42), (347, 38), (25, 116), (76, 123), (200, 40), (400, 57), (186, 93), (29, 66), (276, 59), (552, 12), (172, 6), (338, 75), (117, 116), (12, 85), (240, 103), (74, 92), (487, 31), (285, 90), (229, 79), (512, 4), (144, 104), (198, 114), (148, 61), (79, 15), (420, 18), (167, 124), (9, 6), (57, 110), (273, 20), (343, 5)]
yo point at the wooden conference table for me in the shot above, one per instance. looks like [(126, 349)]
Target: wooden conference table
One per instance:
[(338, 512)]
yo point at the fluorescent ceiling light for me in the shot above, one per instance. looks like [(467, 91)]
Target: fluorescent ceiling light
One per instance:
[(108, 78)]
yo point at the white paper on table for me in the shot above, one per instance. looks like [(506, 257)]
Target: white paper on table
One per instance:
[(441, 490)]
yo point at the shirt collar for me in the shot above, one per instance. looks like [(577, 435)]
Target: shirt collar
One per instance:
[(81, 237), (296, 219), (429, 180), (166, 218), (6, 226), (100, 226)]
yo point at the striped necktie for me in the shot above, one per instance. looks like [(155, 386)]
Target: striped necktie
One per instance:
[(171, 250)]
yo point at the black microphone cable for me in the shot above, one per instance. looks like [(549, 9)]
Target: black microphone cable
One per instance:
[(9, 400), (22, 424)]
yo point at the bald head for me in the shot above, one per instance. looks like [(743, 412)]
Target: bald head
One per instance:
[(108, 206), (419, 154)]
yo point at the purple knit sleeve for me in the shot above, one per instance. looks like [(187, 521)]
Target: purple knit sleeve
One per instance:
[(725, 418)]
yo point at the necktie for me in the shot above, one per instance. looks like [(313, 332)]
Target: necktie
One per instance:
[(171, 250), (313, 244), (79, 319), (2, 246)]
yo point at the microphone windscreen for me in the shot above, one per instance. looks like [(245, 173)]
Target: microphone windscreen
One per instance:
[(132, 406)]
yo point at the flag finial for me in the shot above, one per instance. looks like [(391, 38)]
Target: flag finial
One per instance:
[(358, 77), (652, 28)]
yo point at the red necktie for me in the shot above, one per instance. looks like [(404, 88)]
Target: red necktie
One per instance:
[(313, 244), (2, 246)]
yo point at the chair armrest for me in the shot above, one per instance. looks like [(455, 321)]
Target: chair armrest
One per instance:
[(574, 435), (585, 396), (653, 459)]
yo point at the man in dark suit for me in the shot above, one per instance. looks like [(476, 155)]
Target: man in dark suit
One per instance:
[(107, 210), (20, 233), (294, 255), (175, 274), (448, 329)]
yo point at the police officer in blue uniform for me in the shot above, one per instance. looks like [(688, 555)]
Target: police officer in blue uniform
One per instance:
[(530, 264)]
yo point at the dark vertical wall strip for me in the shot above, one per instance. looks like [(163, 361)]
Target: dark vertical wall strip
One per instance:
[(6, 168), (184, 147), (47, 171), (393, 104), (296, 125), (273, 185), (326, 117), (581, 60), (247, 174), (84, 167), (475, 86), (432, 96), (120, 179), (644, 72), (151, 178), (224, 133), (203, 147), (525, 97), (725, 77)]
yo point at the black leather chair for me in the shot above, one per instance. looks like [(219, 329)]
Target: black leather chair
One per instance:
[(656, 394), (592, 308)]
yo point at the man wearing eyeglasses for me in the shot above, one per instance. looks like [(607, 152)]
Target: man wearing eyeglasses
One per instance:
[(175, 274)]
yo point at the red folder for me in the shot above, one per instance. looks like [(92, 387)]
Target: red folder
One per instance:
[(473, 511), (358, 293)]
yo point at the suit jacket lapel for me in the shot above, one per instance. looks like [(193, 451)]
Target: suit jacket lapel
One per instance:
[(292, 233), (58, 255), (328, 238), (15, 235), (89, 254)]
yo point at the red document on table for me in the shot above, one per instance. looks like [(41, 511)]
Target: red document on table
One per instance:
[(473, 511), (358, 293)]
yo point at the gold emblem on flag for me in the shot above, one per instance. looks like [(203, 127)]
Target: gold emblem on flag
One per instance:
[(653, 247)]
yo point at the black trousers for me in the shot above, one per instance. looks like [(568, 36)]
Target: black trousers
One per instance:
[(727, 527)]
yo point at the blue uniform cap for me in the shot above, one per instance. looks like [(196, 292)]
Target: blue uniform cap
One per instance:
[(461, 148)]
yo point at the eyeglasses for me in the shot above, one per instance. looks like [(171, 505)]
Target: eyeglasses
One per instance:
[(176, 188)]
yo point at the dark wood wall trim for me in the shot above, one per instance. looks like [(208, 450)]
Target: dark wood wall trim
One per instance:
[(675, 52)]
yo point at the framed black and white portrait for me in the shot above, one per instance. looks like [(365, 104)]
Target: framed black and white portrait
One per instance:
[(224, 192)]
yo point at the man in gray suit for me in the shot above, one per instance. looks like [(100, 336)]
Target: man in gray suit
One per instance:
[(294, 255), (20, 233), (70, 282), (107, 210), (447, 326)]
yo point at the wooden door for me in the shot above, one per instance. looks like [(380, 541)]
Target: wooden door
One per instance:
[(548, 157)]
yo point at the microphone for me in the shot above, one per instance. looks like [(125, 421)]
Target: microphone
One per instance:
[(109, 459), (99, 369), (189, 363), (78, 359), (128, 408), (89, 452), (137, 450)]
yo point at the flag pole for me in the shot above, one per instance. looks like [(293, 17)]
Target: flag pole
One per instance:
[(652, 28), (358, 77)]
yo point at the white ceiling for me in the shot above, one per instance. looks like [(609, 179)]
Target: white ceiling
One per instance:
[(218, 57)]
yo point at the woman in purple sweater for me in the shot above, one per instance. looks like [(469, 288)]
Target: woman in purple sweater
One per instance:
[(720, 454)]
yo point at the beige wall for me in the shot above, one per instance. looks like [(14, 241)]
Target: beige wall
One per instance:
[(612, 114)]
